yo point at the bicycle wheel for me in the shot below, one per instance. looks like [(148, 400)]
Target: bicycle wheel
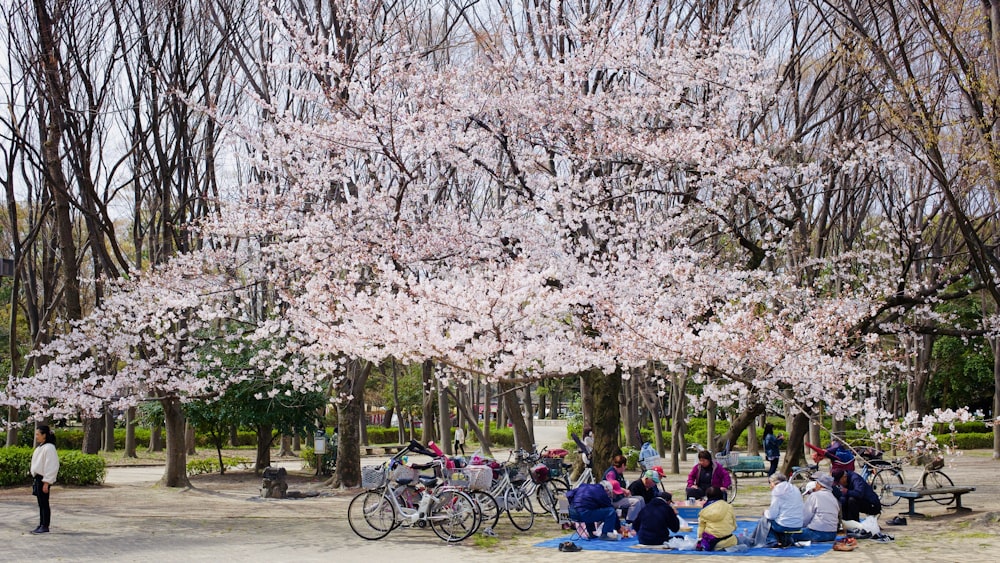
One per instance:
[(371, 515), (455, 516), (488, 509), (801, 477), (733, 488), (518, 507), (547, 496), (937, 480), (883, 482)]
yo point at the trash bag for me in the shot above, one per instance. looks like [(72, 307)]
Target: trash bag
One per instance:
[(870, 525)]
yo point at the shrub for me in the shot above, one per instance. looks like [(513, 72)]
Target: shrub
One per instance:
[(77, 468), (15, 462), (964, 428), (211, 465), (967, 440)]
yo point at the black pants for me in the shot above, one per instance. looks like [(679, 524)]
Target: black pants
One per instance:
[(853, 507), (459, 446), (44, 512), (773, 468)]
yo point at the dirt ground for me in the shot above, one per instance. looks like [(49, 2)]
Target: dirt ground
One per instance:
[(228, 509)]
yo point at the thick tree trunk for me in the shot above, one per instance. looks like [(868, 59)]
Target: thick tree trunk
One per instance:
[(916, 394), (286, 446), (710, 441), (234, 436), (93, 428), (604, 390), (529, 416), (175, 473), (265, 436), (586, 403), (349, 413)]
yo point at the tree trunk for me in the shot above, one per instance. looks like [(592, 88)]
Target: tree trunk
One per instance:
[(175, 473), (265, 436), (156, 438), (130, 441), (487, 414), (349, 413), (109, 432), (586, 403), (741, 422), (93, 428), (916, 394), (529, 416), (796, 435), (444, 419), (189, 442), (234, 436), (395, 398), (995, 344), (604, 390), (522, 438), (427, 418), (710, 442), (286, 446)]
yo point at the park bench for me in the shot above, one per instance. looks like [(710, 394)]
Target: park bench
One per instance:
[(914, 495), (388, 449), (749, 465)]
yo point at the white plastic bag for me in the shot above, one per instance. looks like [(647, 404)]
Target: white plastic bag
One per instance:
[(870, 524), (851, 525), (683, 544)]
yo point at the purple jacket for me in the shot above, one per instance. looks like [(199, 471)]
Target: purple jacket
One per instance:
[(720, 477)]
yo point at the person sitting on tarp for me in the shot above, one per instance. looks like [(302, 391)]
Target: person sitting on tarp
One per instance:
[(590, 504), (645, 487), (621, 497), (782, 516), (855, 495), (656, 521), (716, 523), (821, 513), (707, 473)]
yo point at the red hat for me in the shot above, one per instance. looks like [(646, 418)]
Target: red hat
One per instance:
[(657, 469), (616, 487)]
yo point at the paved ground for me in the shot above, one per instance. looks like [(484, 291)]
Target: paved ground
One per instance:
[(131, 519)]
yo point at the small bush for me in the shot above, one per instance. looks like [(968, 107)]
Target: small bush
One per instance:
[(964, 428), (15, 462), (77, 468)]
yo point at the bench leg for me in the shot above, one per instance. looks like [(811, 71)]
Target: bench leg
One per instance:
[(958, 505), (911, 511)]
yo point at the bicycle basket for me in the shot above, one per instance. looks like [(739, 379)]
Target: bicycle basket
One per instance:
[(457, 478), (554, 464), (404, 472), (540, 474), (727, 460), (480, 478), (373, 476)]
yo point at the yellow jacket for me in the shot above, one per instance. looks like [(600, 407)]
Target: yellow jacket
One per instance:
[(719, 520)]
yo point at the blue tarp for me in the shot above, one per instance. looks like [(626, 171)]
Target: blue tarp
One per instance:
[(630, 545)]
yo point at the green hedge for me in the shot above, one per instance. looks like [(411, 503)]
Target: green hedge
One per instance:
[(75, 468), (211, 465), (967, 440), (979, 427)]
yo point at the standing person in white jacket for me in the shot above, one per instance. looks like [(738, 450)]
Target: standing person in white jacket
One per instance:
[(44, 468)]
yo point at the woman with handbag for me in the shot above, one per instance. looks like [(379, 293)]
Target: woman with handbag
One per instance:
[(44, 468)]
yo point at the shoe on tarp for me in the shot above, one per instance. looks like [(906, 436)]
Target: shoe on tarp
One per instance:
[(569, 546)]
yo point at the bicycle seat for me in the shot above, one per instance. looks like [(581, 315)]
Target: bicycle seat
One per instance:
[(429, 481)]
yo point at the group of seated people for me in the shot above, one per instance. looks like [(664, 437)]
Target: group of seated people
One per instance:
[(789, 518)]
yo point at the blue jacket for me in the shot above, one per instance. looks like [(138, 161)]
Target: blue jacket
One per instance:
[(772, 446), (655, 522), (857, 487), (588, 497)]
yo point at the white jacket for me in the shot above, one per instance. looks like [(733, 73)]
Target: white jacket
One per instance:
[(45, 462), (786, 505)]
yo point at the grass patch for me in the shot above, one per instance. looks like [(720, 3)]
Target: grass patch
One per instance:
[(485, 542)]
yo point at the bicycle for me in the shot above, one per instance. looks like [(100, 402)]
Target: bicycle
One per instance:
[(450, 513), (931, 477), (512, 499), (544, 483)]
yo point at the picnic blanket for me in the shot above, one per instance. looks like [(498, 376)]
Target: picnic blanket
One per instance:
[(631, 545)]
